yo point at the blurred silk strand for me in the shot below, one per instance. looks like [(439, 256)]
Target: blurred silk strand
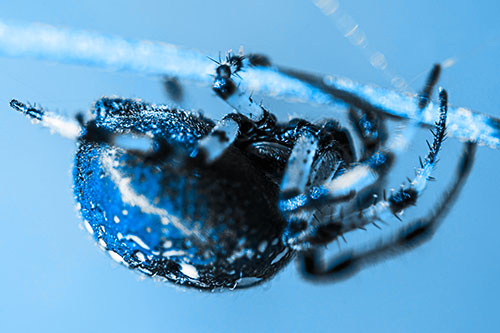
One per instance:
[(47, 42)]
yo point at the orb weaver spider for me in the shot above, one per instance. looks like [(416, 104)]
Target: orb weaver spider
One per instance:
[(227, 204)]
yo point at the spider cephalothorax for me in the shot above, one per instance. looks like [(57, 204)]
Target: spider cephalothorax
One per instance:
[(228, 204)]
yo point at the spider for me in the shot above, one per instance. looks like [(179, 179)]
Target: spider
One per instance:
[(228, 204)]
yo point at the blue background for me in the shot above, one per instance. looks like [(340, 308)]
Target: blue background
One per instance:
[(52, 276)]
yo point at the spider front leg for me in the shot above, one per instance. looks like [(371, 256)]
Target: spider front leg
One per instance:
[(79, 129), (413, 234), (226, 130), (64, 127)]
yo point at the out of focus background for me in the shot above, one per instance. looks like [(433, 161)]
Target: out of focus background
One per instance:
[(53, 277)]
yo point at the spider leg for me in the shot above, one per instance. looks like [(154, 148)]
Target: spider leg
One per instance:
[(226, 88), (298, 205), (243, 104), (365, 174), (79, 129), (299, 166), (406, 196), (372, 133), (296, 183), (368, 171), (357, 218), (65, 127), (220, 137), (370, 128), (413, 234), (226, 130)]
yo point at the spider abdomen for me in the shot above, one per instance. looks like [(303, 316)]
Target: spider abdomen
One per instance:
[(207, 226)]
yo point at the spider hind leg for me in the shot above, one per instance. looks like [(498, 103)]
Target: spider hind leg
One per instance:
[(413, 234), (356, 217), (375, 165)]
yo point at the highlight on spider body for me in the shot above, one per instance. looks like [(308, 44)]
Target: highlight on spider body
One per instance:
[(226, 204)]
